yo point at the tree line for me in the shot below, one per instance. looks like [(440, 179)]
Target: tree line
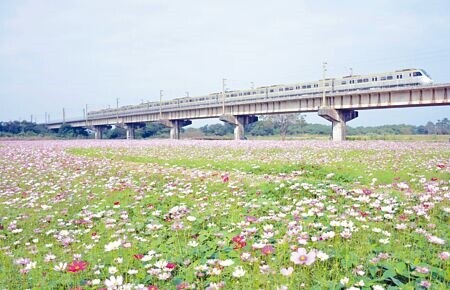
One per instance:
[(282, 125)]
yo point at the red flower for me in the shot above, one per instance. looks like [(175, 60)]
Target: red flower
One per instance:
[(152, 287), (77, 266), (171, 266), (367, 191), (225, 178), (138, 256), (441, 166), (237, 239), (239, 242), (116, 203)]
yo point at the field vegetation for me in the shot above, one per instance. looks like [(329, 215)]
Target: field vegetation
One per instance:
[(161, 214)]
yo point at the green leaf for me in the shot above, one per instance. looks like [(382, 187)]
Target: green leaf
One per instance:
[(396, 281), (373, 270), (388, 274), (401, 268)]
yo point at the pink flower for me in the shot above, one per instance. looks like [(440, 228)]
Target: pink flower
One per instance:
[(444, 256), (301, 257), (425, 284), (267, 250)]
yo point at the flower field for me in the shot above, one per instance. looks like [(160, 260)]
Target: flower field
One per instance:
[(165, 214)]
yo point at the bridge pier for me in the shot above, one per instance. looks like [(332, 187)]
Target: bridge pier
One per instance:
[(240, 122), (175, 126), (99, 130), (338, 119), (131, 129)]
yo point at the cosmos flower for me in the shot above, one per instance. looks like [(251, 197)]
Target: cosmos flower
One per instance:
[(301, 257), (286, 271), (113, 282), (238, 272), (77, 266)]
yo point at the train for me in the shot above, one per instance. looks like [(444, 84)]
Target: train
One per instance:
[(346, 84)]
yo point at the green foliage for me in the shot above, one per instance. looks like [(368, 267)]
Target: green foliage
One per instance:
[(67, 131), (217, 129), (116, 133), (152, 130), (23, 128)]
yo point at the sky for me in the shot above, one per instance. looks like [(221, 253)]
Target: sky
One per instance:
[(68, 54)]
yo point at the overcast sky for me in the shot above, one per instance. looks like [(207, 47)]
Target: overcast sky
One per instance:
[(56, 54)]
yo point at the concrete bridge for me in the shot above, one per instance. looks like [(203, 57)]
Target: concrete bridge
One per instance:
[(338, 108)]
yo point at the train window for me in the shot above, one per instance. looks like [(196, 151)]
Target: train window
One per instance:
[(303, 87), (389, 77), (308, 86), (374, 79), (316, 85), (281, 89), (271, 91), (417, 74), (365, 80), (343, 83), (261, 92), (399, 76), (359, 81), (383, 78)]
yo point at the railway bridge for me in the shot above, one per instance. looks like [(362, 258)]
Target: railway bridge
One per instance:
[(338, 108)]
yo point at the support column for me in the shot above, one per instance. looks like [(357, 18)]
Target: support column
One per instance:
[(338, 119), (240, 122), (98, 131), (130, 127), (175, 127)]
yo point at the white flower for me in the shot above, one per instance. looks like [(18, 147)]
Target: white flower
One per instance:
[(118, 260), (113, 282), (286, 271), (132, 272), (377, 287), (112, 270), (226, 263), (112, 246), (95, 282), (384, 241), (49, 258), (164, 276), (60, 267), (322, 256), (191, 218), (30, 266), (193, 244), (161, 264), (238, 272), (344, 281)]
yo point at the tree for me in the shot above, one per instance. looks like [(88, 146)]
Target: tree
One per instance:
[(283, 121), (116, 133), (217, 129), (152, 129), (260, 128)]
